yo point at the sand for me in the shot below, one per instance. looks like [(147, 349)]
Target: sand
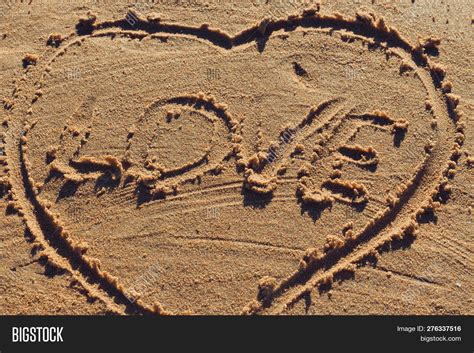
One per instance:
[(236, 158)]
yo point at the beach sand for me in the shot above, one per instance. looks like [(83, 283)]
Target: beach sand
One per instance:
[(262, 157)]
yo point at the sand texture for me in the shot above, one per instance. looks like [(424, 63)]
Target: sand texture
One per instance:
[(210, 157)]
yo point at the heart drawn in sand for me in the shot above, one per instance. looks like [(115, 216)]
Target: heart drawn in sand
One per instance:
[(178, 168)]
